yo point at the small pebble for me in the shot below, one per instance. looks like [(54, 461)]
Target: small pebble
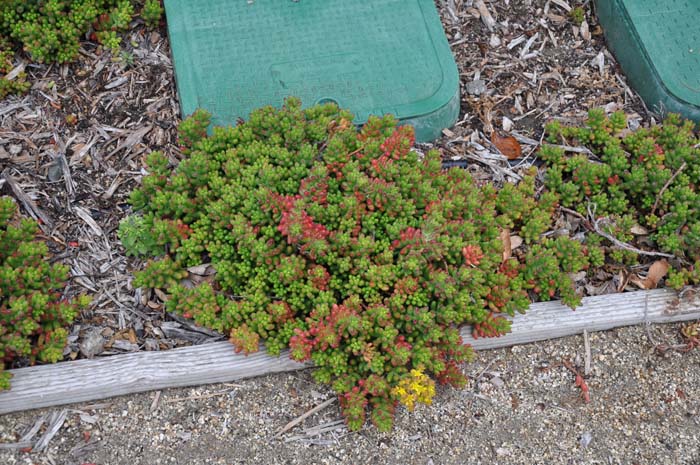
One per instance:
[(93, 343), (477, 87), (586, 439)]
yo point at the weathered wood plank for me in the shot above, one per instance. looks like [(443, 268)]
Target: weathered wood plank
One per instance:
[(87, 380), (100, 378), (549, 320)]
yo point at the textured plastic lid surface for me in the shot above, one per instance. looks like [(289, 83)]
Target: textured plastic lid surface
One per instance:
[(657, 42), (370, 56)]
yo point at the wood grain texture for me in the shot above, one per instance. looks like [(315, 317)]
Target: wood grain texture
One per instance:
[(88, 380), (100, 378), (549, 320)]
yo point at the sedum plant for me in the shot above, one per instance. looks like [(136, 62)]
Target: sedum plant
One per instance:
[(646, 178), (345, 246), (33, 316), (9, 85), (51, 30), (152, 13)]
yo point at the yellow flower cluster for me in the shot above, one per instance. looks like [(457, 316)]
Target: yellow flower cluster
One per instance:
[(417, 387)]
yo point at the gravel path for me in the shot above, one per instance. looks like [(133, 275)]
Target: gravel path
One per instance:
[(520, 407)]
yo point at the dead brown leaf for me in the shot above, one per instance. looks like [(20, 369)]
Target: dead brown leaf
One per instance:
[(638, 230), (623, 277), (585, 32), (507, 249), (656, 272), (508, 145), (161, 295)]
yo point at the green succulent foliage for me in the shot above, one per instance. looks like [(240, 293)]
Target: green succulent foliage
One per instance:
[(152, 13), (148, 235), (344, 246), (649, 177), (135, 233), (678, 278), (577, 15), (16, 85), (51, 30), (33, 317)]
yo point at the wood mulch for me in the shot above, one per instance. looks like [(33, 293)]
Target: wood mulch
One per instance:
[(72, 149)]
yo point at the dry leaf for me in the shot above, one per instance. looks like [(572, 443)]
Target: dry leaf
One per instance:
[(448, 133), (507, 124), (623, 278), (508, 146), (637, 281), (15, 72), (656, 271), (77, 148), (507, 250), (563, 4), (486, 17), (585, 33), (599, 62), (474, 12), (556, 19), (161, 295), (205, 269), (515, 241), (638, 230)]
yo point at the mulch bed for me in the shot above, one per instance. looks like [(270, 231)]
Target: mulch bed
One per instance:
[(72, 149)]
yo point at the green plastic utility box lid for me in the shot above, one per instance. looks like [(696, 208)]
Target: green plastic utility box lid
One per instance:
[(370, 56), (657, 43)]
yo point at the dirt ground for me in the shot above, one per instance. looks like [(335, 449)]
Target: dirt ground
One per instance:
[(74, 146)]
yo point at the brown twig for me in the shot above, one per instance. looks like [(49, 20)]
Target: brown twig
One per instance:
[(625, 246), (647, 323), (668, 183), (660, 347), (586, 353), (34, 211), (596, 226), (573, 212), (680, 348), (156, 398), (303, 417), (503, 171), (203, 396), (488, 366)]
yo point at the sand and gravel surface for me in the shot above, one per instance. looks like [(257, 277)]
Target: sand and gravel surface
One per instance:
[(521, 407)]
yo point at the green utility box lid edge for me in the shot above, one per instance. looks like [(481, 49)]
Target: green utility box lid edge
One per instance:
[(410, 73), (657, 48)]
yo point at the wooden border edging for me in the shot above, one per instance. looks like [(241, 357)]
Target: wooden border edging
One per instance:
[(549, 320), (88, 380)]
